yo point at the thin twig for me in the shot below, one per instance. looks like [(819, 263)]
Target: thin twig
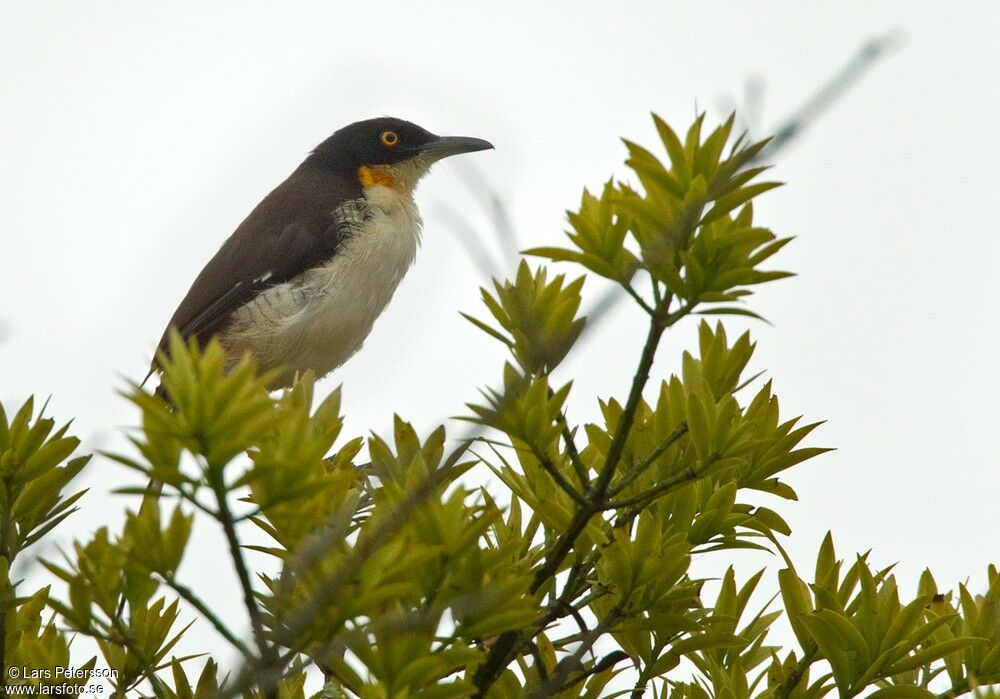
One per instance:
[(640, 502), (568, 664), (225, 518), (657, 298), (638, 299), (188, 595), (572, 451), (661, 448), (869, 53), (559, 478), (570, 610), (546, 463)]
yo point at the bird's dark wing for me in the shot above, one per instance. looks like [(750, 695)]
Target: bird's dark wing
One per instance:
[(296, 227)]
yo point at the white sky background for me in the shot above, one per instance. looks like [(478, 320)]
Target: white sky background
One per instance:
[(134, 138)]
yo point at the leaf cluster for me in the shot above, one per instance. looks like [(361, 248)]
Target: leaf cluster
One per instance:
[(688, 226), (568, 575), (36, 466), (855, 621)]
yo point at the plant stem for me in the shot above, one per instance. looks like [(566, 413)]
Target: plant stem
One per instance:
[(560, 480), (556, 683), (657, 297), (617, 448), (225, 518), (640, 502), (187, 594), (567, 435), (638, 299), (571, 450), (595, 496), (662, 447), (598, 491)]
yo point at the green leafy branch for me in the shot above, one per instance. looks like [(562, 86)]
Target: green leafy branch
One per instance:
[(571, 576), (695, 250)]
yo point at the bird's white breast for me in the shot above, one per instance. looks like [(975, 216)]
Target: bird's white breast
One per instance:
[(319, 319)]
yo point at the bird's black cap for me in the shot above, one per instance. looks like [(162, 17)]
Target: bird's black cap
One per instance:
[(387, 140)]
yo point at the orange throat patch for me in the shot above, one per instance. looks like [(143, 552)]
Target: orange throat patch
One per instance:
[(370, 176)]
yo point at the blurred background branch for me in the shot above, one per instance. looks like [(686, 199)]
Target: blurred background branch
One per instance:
[(501, 235)]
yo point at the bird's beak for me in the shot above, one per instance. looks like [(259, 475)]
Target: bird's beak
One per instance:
[(444, 146)]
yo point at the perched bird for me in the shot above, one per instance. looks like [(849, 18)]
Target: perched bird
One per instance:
[(301, 281)]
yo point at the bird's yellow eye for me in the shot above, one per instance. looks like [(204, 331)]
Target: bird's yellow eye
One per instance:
[(390, 138)]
